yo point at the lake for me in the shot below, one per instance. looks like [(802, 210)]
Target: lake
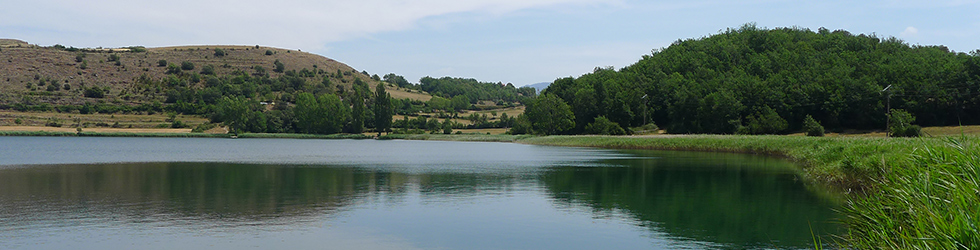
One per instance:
[(198, 193)]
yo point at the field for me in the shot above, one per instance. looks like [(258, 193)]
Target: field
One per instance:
[(42, 121)]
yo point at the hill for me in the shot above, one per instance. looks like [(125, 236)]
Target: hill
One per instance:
[(29, 70), (767, 81), (539, 86)]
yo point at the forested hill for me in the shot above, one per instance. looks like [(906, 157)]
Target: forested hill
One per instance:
[(756, 80), (475, 91)]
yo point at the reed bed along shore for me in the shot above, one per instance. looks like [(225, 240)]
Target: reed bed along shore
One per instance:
[(900, 193)]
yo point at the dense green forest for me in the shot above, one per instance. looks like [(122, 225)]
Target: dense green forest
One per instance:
[(767, 81), (475, 91)]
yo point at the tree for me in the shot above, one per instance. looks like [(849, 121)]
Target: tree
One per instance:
[(324, 115), (382, 109), (357, 108), (397, 80), (811, 127), (460, 103), (234, 113), (550, 115)]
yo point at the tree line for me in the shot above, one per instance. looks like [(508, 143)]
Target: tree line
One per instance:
[(474, 91), (752, 80)]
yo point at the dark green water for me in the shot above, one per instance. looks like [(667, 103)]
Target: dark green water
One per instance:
[(170, 193)]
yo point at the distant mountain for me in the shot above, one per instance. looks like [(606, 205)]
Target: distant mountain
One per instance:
[(540, 86)]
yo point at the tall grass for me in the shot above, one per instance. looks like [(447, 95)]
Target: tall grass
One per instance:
[(848, 164), (914, 193), (933, 203)]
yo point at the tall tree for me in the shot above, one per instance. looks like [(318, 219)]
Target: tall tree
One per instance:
[(357, 108), (382, 109), (550, 115)]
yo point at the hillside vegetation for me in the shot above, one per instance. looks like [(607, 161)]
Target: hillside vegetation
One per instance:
[(30, 71), (247, 88), (752, 80)]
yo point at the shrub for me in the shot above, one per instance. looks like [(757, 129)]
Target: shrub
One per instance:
[(207, 70), (203, 127), (94, 92), (187, 65), (219, 52), (650, 127), (84, 65), (113, 57), (53, 87), (173, 69), (79, 57), (67, 86), (603, 126), (18, 121), (162, 63), (53, 123), (268, 52), (900, 124), (765, 122), (178, 124), (811, 127), (279, 66)]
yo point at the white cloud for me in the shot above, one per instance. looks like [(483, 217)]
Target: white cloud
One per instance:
[(290, 23), (909, 32)]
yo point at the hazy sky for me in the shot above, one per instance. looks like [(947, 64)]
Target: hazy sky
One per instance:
[(516, 41)]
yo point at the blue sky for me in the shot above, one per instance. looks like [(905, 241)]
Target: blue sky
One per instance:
[(510, 41)]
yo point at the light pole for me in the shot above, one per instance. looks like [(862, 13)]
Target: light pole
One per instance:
[(645, 108)]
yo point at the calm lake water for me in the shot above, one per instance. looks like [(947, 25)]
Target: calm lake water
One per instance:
[(192, 193)]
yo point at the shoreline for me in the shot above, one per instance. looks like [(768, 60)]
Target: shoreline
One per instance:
[(895, 192), (182, 135)]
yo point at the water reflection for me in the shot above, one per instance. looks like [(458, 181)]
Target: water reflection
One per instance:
[(678, 199), (738, 201)]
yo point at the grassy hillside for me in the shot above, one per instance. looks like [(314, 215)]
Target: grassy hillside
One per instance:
[(29, 70)]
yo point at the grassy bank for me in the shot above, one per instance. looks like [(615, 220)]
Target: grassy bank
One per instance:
[(900, 193), (460, 137)]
